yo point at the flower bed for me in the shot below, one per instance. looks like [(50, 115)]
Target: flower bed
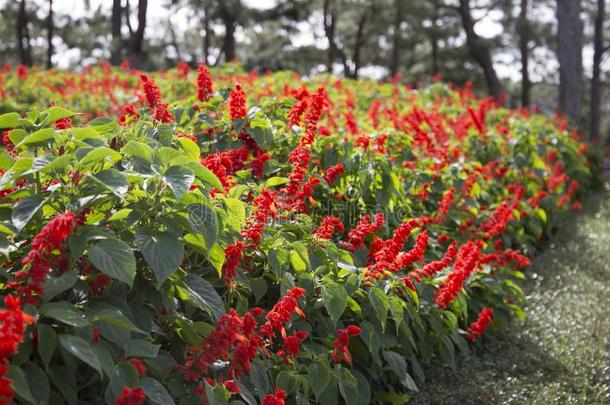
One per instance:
[(234, 237)]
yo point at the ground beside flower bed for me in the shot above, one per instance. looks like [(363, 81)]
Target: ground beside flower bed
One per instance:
[(561, 353)]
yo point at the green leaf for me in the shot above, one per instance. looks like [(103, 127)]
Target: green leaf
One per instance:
[(319, 374), (47, 343), (139, 150), (9, 120), (190, 148), (397, 310), (114, 258), (348, 387), (380, 304), (205, 175), (297, 263), (55, 113), (114, 181), (20, 384), (155, 391), (163, 251), (65, 312), (6, 161), (216, 395), (81, 349), (179, 179), (334, 298), (398, 364), (203, 295), (204, 221), (286, 381), (113, 316), (98, 155), (141, 348), (364, 388), (38, 382), (26, 209), (41, 135), (54, 286), (276, 181)]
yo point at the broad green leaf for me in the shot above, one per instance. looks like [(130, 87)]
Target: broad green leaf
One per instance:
[(20, 384), (141, 348), (139, 150), (9, 120), (55, 113), (216, 395), (380, 304), (113, 180), (276, 181), (334, 298), (203, 294), (54, 286), (81, 349), (319, 374), (204, 221), (179, 179), (98, 155), (190, 148), (205, 175), (6, 161), (348, 386), (113, 316), (114, 258), (47, 343), (155, 391), (398, 364), (41, 135), (38, 382), (25, 209), (163, 251), (64, 312)]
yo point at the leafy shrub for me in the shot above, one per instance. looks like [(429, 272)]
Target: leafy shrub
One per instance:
[(318, 246)]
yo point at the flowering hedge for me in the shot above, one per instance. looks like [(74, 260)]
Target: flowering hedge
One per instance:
[(231, 237)]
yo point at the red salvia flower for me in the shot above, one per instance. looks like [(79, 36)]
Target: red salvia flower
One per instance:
[(138, 365), (204, 83), (327, 227), (364, 227), (233, 254), (237, 103), (131, 396), (467, 259), (333, 173), (277, 398), (477, 328), (341, 352)]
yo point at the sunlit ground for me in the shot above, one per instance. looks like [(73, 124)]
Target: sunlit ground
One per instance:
[(561, 353)]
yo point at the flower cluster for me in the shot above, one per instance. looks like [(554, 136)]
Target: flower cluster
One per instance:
[(204, 83), (327, 227), (13, 322), (224, 164), (263, 209), (477, 328), (466, 261), (36, 263), (430, 269), (333, 173), (233, 254), (341, 352), (237, 103), (277, 398), (131, 396), (153, 99), (364, 227)]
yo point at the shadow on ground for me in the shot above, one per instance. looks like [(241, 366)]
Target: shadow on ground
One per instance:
[(561, 353)]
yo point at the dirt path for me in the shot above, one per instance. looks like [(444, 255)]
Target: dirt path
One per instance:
[(561, 353)]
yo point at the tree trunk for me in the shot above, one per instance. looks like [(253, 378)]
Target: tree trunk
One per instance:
[(598, 50), (570, 41), (434, 39), (23, 35), (137, 43), (329, 30), (116, 32), (50, 27), (228, 46), (206, 34), (526, 84), (359, 43), (479, 50), (395, 61)]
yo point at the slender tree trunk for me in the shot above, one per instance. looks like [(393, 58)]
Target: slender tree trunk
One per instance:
[(137, 43), (395, 61), (116, 32), (228, 46), (50, 26), (526, 84), (434, 39), (598, 47), (479, 50), (206, 34), (359, 43), (23, 35), (570, 41), (329, 30)]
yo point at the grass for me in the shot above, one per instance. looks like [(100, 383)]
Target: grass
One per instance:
[(561, 353)]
